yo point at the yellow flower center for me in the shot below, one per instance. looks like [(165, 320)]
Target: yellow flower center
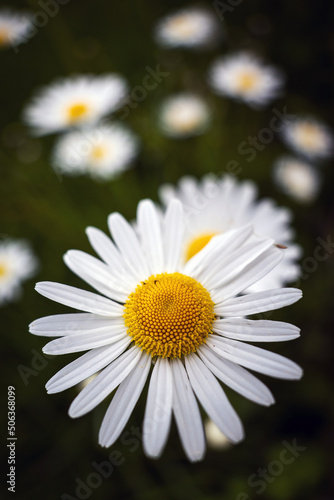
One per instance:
[(169, 315), (98, 152), (198, 243), (76, 112), (182, 26), (309, 135), (3, 270), (246, 81), (3, 37)]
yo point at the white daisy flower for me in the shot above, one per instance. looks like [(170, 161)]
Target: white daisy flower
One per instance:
[(189, 28), (243, 76), (17, 264), (14, 28), (309, 138), (215, 205), (184, 115), (186, 322), (76, 101), (297, 178), (102, 152)]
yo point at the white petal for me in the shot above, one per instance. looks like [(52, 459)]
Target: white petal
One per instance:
[(225, 271), (218, 248), (149, 228), (89, 363), (255, 358), (124, 402), (236, 377), (187, 415), (70, 324), (127, 242), (104, 247), (79, 299), (173, 234), (104, 383), (213, 398), (255, 330), (84, 341), (252, 273), (258, 302), (158, 411), (97, 274)]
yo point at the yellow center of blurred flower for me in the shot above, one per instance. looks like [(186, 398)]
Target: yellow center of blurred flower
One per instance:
[(309, 135), (181, 26), (4, 38), (246, 81), (197, 244), (98, 152), (3, 270), (76, 112), (169, 315), (183, 121)]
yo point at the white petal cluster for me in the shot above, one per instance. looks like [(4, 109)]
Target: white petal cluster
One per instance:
[(244, 77), (215, 205), (228, 265), (102, 152), (74, 102), (184, 115), (17, 264)]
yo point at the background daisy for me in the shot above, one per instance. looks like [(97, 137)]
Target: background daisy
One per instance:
[(184, 115), (15, 28), (192, 28), (75, 101), (297, 178), (102, 152), (309, 138), (188, 318), (17, 264), (244, 77), (214, 205)]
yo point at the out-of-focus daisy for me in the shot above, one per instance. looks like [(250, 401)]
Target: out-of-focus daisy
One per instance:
[(184, 115), (214, 436), (309, 138), (297, 178), (190, 28), (14, 28), (75, 101), (215, 205), (243, 76), (186, 322), (17, 264), (102, 152)]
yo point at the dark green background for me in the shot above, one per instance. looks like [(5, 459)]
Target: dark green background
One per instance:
[(52, 212)]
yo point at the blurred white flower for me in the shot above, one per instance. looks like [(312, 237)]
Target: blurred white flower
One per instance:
[(309, 138), (243, 76), (102, 152), (297, 178), (76, 101), (17, 264), (14, 27), (214, 436), (188, 28), (215, 205), (184, 115)]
